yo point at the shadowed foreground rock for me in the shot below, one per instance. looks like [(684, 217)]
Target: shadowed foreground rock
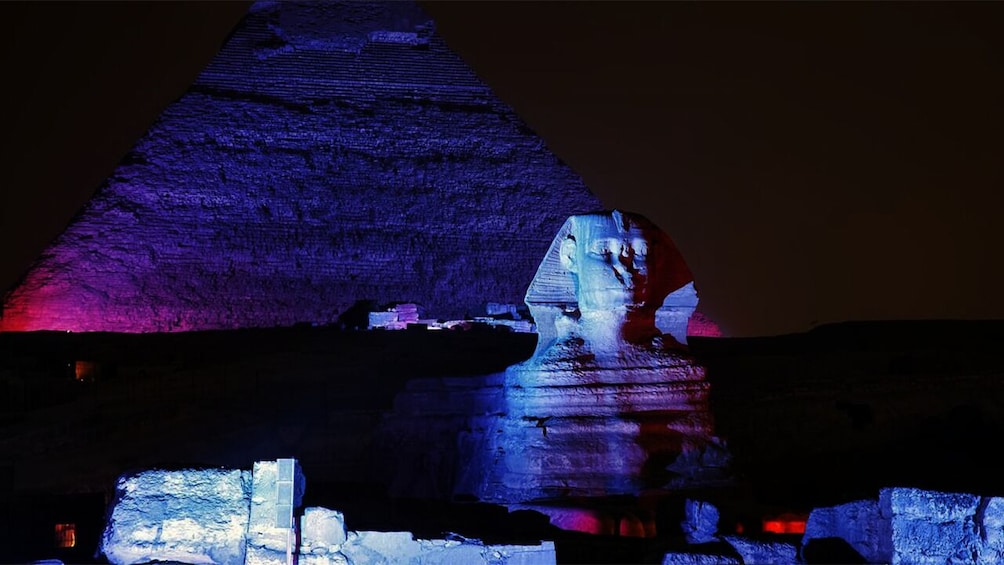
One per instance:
[(914, 526), (903, 526)]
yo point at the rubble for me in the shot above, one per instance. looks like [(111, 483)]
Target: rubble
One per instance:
[(233, 517)]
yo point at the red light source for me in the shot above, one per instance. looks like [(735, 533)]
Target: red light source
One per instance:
[(85, 371), (66, 535), (787, 523)]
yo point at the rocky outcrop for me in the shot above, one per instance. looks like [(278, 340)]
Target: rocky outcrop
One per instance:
[(388, 548), (700, 522), (901, 526), (859, 524), (761, 552), (687, 558), (330, 153)]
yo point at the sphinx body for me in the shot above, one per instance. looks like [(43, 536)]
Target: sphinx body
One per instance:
[(611, 403)]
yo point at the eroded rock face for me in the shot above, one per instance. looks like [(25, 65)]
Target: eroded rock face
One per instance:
[(323, 530), (700, 522), (860, 524), (930, 527), (909, 525), (759, 551), (186, 516), (332, 152)]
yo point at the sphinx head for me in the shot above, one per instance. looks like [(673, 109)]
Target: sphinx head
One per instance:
[(615, 262), (617, 265)]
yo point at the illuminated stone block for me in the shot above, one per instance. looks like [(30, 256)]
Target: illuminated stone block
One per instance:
[(761, 551), (401, 547), (322, 530), (911, 525), (187, 516), (930, 527), (700, 522), (229, 518), (859, 523), (268, 543)]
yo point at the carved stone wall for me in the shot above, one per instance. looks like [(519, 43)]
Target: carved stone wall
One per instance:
[(330, 153)]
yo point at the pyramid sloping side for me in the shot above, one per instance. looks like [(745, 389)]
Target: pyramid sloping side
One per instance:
[(329, 153)]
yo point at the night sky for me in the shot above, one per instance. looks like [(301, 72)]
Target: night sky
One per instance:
[(814, 161)]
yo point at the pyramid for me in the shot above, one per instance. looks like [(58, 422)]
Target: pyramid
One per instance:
[(330, 153)]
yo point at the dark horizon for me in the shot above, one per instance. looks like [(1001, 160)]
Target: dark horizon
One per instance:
[(813, 162)]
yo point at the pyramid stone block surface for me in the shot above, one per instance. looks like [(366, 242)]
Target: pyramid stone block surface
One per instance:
[(329, 153)]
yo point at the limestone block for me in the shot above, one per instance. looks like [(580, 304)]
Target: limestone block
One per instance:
[(754, 552), (543, 554), (682, 558), (321, 529), (936, 527), (259, 555), (450, 552), (381, 548), (700, 521), (858, 523), (381, 319), (993, 527), (322, 559), (391, 548), (189, 516), (265, 542)]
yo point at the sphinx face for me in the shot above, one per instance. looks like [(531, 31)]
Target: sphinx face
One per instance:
[(613, 264)]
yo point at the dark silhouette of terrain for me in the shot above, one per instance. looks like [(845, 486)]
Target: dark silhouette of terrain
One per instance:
[(811, 419)]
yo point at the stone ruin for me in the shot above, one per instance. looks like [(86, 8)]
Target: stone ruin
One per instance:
[(901, 526), (229, 517)]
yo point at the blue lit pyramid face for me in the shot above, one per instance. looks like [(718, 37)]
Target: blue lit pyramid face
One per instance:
[(330, 153)]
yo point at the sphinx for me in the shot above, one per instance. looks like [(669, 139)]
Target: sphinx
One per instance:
[(611, 402), (612, 292)]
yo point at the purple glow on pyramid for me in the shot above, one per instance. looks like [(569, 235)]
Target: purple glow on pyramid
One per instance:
[(330, 153)]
